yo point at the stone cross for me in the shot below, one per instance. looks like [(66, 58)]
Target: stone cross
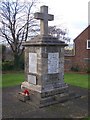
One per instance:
[(44, 18)]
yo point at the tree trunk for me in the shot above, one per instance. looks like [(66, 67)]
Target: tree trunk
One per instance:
[(16, 62)]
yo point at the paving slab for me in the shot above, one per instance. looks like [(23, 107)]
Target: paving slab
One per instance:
[(14, 108)]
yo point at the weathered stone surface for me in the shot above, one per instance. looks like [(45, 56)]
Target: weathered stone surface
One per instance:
[(45, 41), (32, 79), (44, 18), (44, 65), (62, 97), (23, 97), (54, 92)]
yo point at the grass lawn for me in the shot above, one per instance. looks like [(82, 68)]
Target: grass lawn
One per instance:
[(12, 79), (76, 79)]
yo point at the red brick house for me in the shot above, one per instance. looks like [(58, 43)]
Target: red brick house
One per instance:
[(81, 58)]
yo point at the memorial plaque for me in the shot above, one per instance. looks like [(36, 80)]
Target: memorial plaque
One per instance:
[(33, 62), (32, 79), (53, 63)]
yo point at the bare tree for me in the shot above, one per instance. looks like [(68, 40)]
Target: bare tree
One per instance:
[(60, 33), (17, 24)]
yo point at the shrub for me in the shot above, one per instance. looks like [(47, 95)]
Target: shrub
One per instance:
[(75, 68), (88, 70), (0, 65), (7, 65)]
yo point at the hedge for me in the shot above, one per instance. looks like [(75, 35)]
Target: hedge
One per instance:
[(7, 65)]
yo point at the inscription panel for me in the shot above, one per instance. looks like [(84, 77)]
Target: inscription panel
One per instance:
[(33, 62), (32, 79), (53, 63)]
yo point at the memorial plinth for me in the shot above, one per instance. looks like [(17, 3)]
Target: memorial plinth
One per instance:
[(44, 69)]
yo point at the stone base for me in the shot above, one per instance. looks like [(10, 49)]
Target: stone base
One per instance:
[(48, 100), (48, 96), (54, 99), (23, 98)]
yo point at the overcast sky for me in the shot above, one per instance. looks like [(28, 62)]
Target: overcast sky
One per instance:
[(72, 14)]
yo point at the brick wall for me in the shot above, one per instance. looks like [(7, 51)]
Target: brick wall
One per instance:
[(82, 56), (68, 63)]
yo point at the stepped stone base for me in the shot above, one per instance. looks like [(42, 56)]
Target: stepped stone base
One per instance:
[(23, 98), (46, 97)]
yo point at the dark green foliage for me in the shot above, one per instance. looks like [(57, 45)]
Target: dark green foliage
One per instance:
[(7, 65), (3, 52), (88, 70), (75, 68)]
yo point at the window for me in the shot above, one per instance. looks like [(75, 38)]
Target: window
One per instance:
[(88, 44)]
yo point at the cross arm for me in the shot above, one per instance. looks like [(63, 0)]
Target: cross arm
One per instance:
[(38, 15), (50, 17)]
